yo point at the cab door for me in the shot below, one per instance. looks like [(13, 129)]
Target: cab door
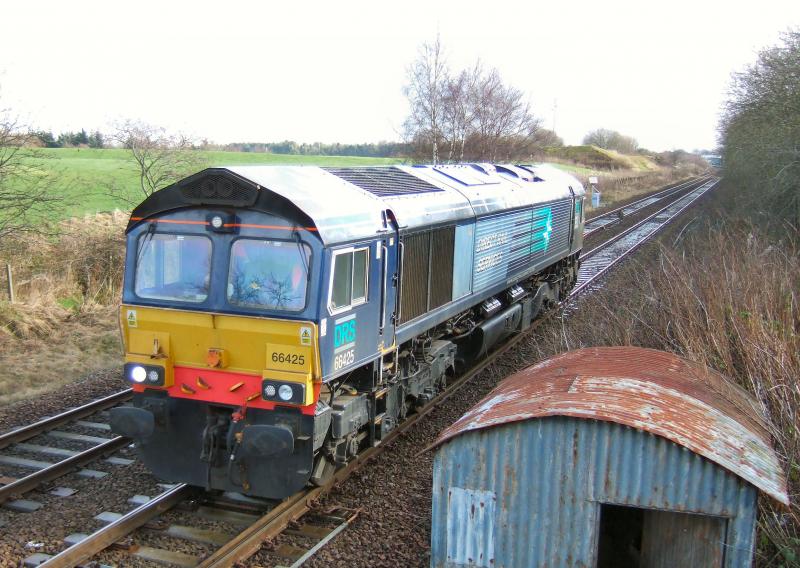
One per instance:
[(573, 216), (390, 278)]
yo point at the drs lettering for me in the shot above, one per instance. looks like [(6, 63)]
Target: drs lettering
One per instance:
[(344, 333), (344, 340)]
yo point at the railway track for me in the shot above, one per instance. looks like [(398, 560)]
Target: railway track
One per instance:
[(274, 518), (614, 216), (602, 258), (17, 441)]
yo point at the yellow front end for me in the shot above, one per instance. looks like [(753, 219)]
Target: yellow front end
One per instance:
[(221, 358)]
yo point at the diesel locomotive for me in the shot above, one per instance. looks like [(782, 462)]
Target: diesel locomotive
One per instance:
[(278, 320)]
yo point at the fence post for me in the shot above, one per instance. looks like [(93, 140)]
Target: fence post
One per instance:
[(10, 283)]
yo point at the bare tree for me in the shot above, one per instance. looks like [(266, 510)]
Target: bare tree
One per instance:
[(426, 88), (160, 158), (611, 140), (547, 138), (503, 125), (458, 112), (27, 196), (470, 115)]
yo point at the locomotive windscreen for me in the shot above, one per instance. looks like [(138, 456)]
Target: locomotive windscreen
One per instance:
[(268, 274), (262, 274), (173, 267)]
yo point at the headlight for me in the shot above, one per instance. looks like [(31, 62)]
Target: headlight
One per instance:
[(216, 222), (285, 392), (138, 374)]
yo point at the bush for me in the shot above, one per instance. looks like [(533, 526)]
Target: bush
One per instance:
[(73, 272), (761, 128)]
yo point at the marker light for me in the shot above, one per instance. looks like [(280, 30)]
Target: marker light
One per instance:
[(216, 222), (139, 374), (269, 390), (152, 376), (285, 392)]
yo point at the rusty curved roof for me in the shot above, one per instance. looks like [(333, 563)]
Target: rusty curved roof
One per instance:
[(650, 390)]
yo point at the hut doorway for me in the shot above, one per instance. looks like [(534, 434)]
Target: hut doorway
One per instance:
[(632, 537)]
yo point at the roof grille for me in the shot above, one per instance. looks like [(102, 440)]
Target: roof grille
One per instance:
[(384, 182), (218, 190)]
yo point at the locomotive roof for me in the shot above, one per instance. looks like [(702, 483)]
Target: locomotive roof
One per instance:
[(348, 204)]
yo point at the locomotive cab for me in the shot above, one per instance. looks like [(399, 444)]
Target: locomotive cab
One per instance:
[(219, 316)]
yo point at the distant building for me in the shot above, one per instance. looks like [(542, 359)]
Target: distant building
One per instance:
[(615, 456), (715, 161)]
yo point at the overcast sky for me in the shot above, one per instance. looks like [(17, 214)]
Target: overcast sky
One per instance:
[(334, 71)]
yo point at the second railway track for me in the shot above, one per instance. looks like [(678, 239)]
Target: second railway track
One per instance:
[(276, 517), (17, 442), (606, 220)]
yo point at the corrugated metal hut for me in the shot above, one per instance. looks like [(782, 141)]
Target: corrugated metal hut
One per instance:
[(602, 457)]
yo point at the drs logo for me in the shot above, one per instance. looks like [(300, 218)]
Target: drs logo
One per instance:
[(344, 333), (344, 343)]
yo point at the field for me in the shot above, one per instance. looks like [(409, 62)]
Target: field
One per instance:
[(96, 181), (86, 176)]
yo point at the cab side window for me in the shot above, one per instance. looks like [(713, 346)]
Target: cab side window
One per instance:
[(350, 276)]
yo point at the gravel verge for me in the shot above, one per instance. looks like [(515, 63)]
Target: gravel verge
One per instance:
[(93, 386)]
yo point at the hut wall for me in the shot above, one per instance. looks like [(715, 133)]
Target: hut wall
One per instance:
[(529, 493)]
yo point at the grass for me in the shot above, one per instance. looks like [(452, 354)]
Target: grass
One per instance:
[(576, 169), (60, 346), (84, 174), (620, 176), (64, 324)]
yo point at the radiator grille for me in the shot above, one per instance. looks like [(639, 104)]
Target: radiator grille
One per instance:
[(416, 255), (441, 278), (427, 272), (218, 190), (384, 182)]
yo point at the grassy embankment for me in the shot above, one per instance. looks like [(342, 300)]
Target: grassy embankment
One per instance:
[(620, 176), (724, 291), (64, 322)]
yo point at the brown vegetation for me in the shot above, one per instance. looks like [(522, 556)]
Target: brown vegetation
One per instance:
[(63, 325), (728, 296)]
